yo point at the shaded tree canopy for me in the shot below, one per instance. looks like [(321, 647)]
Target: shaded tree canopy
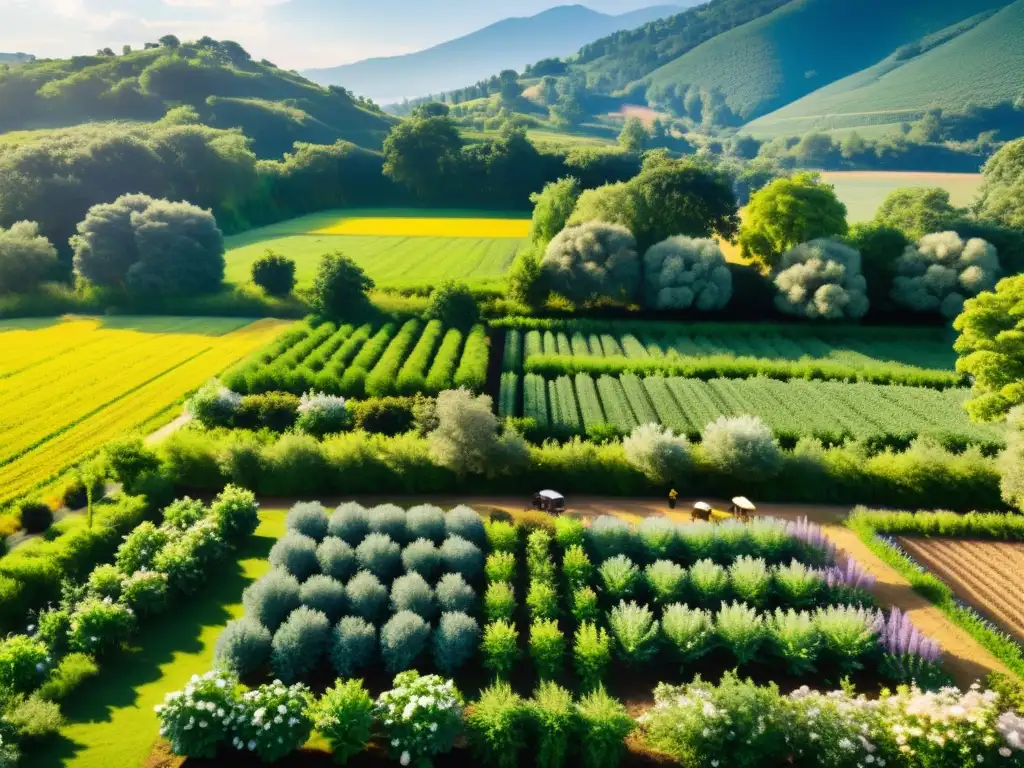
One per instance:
[(1001, 197), (917, 211), (879, 247), (681, 272), (942, 270), (340, 288), (788, 212), (26, 257), (591, 260), (552, 207), (421, 153), (821, 279)]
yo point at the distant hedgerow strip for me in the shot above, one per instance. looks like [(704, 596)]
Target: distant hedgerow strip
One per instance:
[(976, 525), (354, 378), (730, 367), (512, 358), (412, 378), (931, 587), (472, 372), (443, 369), (383, 379), (508, 395)]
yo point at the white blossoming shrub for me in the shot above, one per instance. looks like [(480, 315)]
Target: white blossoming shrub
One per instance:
[(657, 452), (182, 514), (273, 720), (821, 279), (321, 414), (420, 717), (683, 272), (145, 592), (198, 719), (99, 626), (236, 514), (214, 405), (942, 271), (742, 445), (140, 547)]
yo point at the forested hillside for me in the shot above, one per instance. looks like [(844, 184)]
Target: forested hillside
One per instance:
[(209, 82), (973, 65)]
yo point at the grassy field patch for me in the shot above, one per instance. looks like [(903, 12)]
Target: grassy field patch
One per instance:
[(863, 191)]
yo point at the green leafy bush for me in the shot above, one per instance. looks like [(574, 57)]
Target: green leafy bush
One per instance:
[(411, 592), (344, 716), (592, 652), (467, 524), (709, 583), (666, 581), (53, 626), (555, 721), (274, 273), (367, 597), (286, 709), (584, 605), (299, 643), (336, 558), (542, 600), (658, 537), (105, 581), (797, 585), (500, 647), (496, 724), (500, 566), (604, 725), (455, 641), (320, 415), (454, 594), (569, 531), (499, 601), (635, 631), (538, 556), (547, 648), (741, 630), (236, 514), (23, 663), (185, 560), (73, 670), (750, 581), (308, 518), (742, 445), (794, 637), (353, 645), (689, 632), (212, 699), (35, 516), (324, 594), (98, 626), (502, 536), (619, 577), (576, 567), (402, 639), (140, 547), (272, 597), (422, 557), (426, 522), (608, 537), (380, 555), (847, 633), (277, 411), (462, 556), (182, 514), (296, 554), (350, 522), (243, 647), (145, 593)]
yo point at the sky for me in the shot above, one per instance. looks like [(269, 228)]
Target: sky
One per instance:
[(294, 34)]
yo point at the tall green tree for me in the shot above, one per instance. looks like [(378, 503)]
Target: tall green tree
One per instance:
[(634, 136), (1001, 197), (552, 207), (918, 211), (26, 257), (508, 85), (341, 288), (422, 154), (788, 212)]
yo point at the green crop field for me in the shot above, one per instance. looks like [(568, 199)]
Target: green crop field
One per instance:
[(473, 247), (863, 191)]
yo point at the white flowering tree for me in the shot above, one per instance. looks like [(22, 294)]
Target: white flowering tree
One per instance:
[(321, 414), (684, 272), (941, 271), (821, 279), (657, 452), (466, 439), (214, 405)]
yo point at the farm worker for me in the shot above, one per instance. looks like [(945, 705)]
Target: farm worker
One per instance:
[(672, 496)]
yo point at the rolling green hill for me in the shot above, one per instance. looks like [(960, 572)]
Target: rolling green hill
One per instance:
[(979, 63), (798, 48), (215, 83)]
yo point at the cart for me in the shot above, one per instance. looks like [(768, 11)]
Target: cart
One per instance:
[(549, 501), (701, 511), (742, 508)]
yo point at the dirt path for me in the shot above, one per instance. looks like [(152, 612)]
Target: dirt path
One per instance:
[(168, 429), (965, 659)]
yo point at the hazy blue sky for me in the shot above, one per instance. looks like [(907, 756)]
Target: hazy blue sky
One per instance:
[(294, 34)]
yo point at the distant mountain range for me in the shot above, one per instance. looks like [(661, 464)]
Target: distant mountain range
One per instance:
[(508, 44)]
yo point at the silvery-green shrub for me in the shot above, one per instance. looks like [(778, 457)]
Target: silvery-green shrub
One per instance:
[(462, 556), (337, 559), (467, 524), (821, 280), (349, 522), (426, 522), (411, 592), (367, 597), (243, 647), (454, 594), (455, 641), (353, 645), (380, 555), (658, 452), (272, 597), (390, 520), (422, 557), (296, 554), (683, 273), (609, 536), (689, 632), (324, 594), (743, 446), (308, 518), (299, 643), (402, 639)]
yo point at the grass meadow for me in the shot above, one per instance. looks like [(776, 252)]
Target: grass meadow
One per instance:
[(396, 247), (60, 401), (864, 191)]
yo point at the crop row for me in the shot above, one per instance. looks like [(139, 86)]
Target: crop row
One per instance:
[(884, 415), (368, 360)]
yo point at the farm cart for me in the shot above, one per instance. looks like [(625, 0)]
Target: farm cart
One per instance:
[(701, 511), (742, 508), (549, 501)]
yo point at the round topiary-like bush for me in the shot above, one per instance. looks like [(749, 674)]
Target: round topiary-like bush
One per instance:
[(105, 581), (23, 662), (243, 647), (139, 548), (184, 513), (145, 592), (296, 554), (941, 271), (743, 445), (367, 597), (657, 452), (272, 597), (463, 521), (426, 522), (379, 555), (422, 557), (454, 594), (821, 279), (402, 640), (350, 522), (609, 536), (412, 593), (354, 645), (683, 273), (324, 594), (337, 559), (274, 273), (389, 519), (299, 643), (308, 518), (98, 626), (592, 260), (236, 513), (35, 516), (462, 556), (455, 641)]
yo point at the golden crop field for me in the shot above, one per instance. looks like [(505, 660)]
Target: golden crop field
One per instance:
[(70, 385), (399, 226)]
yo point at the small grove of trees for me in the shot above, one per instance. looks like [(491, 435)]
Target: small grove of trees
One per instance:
[(1001, 197), (341, 288), (274, 273), (682, 272), (454, 305), (918, 211), (592, 259), (552, 207), (941, 271), (788, 212), (821, 279), (26, 257), (147, 246)]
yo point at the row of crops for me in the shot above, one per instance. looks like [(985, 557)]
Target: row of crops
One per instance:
[(832, 411), (920, 362), (368, 360)]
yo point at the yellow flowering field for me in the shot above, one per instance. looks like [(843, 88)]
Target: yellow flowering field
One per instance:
[(67, 386), (400, 226)]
